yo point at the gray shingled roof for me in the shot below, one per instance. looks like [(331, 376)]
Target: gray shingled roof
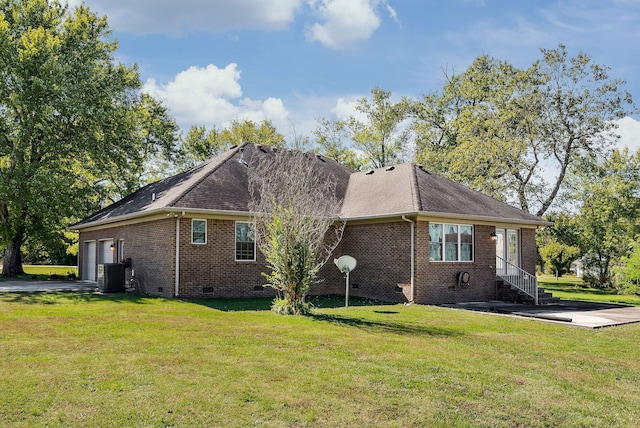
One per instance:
[(409, 189), (220, 186), (437, 194)]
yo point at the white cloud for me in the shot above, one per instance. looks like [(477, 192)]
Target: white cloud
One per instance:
[(392, 13), (174, 17), (210, 96), (629, 131), (270, 109), (346, 22), (345, 108)]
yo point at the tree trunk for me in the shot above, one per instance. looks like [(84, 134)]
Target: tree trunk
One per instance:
[(12, 264)]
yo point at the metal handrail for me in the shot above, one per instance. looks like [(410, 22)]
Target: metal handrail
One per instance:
[(519, 278)]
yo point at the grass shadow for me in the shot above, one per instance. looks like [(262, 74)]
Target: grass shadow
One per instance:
[(387, 326), (264, 303), (235, 305), (334, 301)]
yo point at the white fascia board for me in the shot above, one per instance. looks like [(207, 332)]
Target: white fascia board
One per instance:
[(426, 215), (143, 216), (483, 219)]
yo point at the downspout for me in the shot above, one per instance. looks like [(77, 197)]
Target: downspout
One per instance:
[(177, 273), (412, 255)]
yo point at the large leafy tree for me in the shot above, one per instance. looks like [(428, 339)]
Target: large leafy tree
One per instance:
[(247, 131), (201, 143), (380, 136), (65, 106), (375, 137), (148, 133), (500, 129), (609, 199), (330, 137), (198, 145)]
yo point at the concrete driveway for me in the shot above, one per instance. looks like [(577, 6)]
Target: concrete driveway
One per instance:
[(568, 312), (20, 286)]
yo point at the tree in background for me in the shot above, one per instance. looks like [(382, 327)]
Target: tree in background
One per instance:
[(65, 106), (201, 144), (247, 131), (496, 127), (149, 134), (329, 137), (559, 256), (295, 210), (379, 136), (563, 230), (608, 192), (628, 273)]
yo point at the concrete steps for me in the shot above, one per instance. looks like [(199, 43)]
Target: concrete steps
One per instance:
[(506, 293)]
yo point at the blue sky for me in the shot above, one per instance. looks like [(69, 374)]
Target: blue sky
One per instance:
[(292, 61)]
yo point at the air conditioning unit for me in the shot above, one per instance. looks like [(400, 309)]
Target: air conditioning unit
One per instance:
[(111, 277)]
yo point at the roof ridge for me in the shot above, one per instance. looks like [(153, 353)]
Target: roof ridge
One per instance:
[(415, 190), (206, 174)]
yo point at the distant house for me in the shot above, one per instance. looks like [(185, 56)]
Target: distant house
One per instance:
[(413, 233)]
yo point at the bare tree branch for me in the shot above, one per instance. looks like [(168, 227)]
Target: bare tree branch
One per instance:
[(295, 209)]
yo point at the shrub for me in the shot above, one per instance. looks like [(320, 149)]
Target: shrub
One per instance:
[(295, 307)]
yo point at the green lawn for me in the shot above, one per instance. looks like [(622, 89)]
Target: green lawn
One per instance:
[(572, 288), (119, 360), (45, 271)]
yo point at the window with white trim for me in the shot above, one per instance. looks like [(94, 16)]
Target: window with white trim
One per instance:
[(198, 231), (450, 242), (245, 241)]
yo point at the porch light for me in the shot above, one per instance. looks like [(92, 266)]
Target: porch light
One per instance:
[(112, 247), (493, 236)]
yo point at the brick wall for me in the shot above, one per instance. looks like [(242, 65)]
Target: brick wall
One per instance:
[(528, 250), (331, 278), (211, 270), (382, 251), (151, 249), (436, 282), (208, 270)]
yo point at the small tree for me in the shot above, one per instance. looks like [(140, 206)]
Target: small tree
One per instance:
[(295, 210), (628, 273), (559, 256)]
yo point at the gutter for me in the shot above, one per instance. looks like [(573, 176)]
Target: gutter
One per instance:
[(199, 211), (413, 224), (157, 211), (452, 216), (177, 258)]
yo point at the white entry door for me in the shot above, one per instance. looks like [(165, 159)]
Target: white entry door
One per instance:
[(501, 266), (507, 248), (89, 264)]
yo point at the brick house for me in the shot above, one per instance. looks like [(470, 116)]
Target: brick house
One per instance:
[(412, 232)]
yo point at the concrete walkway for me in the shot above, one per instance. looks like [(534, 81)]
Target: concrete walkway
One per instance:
[(26, 286), (568, 312)]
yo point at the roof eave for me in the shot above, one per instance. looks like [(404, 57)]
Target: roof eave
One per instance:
[(533, 222), (487, 219), (227, 213), (169, 211)]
